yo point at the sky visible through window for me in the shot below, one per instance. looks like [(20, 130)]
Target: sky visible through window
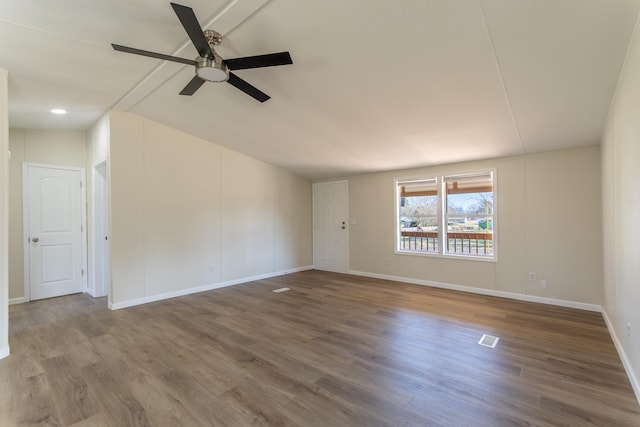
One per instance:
[(472, 203)]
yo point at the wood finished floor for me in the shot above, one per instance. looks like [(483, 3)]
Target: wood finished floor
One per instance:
[(336, 350)]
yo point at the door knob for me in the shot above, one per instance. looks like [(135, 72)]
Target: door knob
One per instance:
[(35, 240)]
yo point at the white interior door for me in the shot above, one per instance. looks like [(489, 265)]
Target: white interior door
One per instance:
[(330, 226), (54, 224)]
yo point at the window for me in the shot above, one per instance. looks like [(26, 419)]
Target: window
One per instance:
[(469, 214), (418, 214), (464, 202)]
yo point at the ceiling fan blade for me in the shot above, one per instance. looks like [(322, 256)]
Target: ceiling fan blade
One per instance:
[(258, 61), (190, 23), (135, 51), (247, 88), (192, 86)]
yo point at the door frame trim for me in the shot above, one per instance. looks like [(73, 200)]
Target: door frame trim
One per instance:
[(345, 182), (25, 221), (94, 239)]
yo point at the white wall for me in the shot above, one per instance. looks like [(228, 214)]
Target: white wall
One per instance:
[(97, 138), (621, 212), (549, 221), (55, 147), (187, 214), (4, 217)]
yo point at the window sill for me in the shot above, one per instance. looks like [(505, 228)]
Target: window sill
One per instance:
[(449, 256)]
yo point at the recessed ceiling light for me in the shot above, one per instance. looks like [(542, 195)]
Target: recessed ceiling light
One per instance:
[(58, 111)]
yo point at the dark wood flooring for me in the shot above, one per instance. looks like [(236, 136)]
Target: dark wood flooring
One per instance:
[(335, 350)]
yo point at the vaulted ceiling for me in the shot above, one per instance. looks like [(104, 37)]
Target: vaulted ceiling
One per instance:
[(375, 85)]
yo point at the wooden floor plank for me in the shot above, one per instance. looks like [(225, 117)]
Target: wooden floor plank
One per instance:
[(120, 407), (72, 396), (335, 350)]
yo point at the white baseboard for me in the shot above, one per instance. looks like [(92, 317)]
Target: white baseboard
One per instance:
[(633, 379), (4, 352), (482, 291), (22, 300), (182, 292)]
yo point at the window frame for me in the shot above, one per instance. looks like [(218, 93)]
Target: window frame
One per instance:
[(442, 214), (398, 191)]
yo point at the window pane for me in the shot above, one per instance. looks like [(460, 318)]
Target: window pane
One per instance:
[(469, 214), (418, 216)]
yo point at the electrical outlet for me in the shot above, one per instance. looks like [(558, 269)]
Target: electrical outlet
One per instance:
[(386, 260), (212, 269), (628, 329), (543, 284), (533, 276)]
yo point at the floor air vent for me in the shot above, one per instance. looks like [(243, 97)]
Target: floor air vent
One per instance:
[(277, 291), (488, 341)]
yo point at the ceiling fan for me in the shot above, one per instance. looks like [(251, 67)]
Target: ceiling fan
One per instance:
[(209, 65)]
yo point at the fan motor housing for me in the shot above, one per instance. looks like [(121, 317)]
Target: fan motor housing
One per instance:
[(212, 69), (213, 38)]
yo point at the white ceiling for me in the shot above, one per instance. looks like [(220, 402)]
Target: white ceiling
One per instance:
[(375, 85)]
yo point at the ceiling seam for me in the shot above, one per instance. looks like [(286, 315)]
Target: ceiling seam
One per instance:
[(142, 82), (149, 75), (501, 76), (636, 28), (50, 33), (163, 63)]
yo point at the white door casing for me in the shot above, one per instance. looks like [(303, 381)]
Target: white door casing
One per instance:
[(330, 226), (100, 268), (54, 224)]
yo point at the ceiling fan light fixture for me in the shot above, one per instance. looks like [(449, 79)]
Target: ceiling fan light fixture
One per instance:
[(212, 70), (210, 67)]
